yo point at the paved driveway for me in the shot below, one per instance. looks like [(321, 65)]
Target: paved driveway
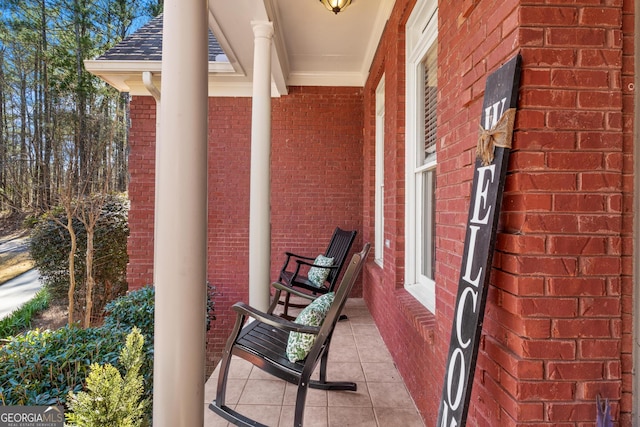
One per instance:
[(19, 244), (17, 291), (20, 289)]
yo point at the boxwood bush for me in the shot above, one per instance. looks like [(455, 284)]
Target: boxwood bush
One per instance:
[(50, 245), (42, 367)]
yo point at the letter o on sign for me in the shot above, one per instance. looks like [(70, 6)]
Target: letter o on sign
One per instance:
[(457, 354)]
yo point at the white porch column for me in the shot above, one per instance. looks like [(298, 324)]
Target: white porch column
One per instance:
[(260, 193), (181, 219)]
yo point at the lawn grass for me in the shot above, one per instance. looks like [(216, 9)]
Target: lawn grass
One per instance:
[(20, 319)]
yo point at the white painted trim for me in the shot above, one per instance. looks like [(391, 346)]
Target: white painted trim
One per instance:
[(421, 32), (344, 79), (280, 68), (147, 80), (384, 12), (114, 66), (379, 174), (424, 292), (218, 85)]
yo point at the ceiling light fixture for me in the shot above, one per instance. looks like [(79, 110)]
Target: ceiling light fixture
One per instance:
[(336, 6)]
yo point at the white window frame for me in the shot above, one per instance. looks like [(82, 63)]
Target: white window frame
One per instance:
[(421, 33), (379, 175)]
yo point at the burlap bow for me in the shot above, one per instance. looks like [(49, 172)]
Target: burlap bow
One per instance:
[(498, 136)]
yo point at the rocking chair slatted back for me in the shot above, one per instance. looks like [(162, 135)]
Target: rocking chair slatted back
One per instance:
[(294, 276)]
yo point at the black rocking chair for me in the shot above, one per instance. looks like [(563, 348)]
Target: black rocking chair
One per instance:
[(263, 342), (296, 276)]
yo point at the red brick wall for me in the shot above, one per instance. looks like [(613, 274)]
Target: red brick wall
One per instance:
[(627, 287), (558, 318), (142, 163), (556, 313), (228, 235), (316, 186), (316, 170)]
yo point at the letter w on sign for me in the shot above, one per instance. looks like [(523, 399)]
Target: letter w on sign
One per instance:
[(494, 144)]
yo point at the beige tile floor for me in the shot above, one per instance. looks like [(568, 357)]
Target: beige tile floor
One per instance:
[(357, 354)]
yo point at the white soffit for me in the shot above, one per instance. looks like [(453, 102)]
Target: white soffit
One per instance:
[(328, 49), (312, 46)]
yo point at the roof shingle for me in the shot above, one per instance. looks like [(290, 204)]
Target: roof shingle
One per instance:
[(145, 44)]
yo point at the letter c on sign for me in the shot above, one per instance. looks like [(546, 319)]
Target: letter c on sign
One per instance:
[(460, 314)]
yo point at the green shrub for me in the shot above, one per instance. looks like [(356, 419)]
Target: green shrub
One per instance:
[(50, 246), (113, 400), (20, 319), (133, 309), (42, 367)]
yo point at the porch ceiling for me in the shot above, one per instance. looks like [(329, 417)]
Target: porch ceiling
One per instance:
[(311, 46)]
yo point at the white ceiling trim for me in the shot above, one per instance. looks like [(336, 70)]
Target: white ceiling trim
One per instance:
[(327, 79), (378, 28)]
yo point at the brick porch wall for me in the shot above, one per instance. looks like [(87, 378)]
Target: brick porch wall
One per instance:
[(316, 186), (142, 163), (558, 325)]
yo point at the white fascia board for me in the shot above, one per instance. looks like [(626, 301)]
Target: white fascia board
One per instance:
[(126, 76), (217, 86), (102, 67)]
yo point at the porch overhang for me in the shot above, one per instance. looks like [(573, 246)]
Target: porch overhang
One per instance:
[(311, 47)]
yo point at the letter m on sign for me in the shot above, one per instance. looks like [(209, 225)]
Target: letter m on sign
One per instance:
[(500, 101)]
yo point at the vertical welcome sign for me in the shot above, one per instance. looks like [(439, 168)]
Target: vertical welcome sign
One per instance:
[(498, 114)]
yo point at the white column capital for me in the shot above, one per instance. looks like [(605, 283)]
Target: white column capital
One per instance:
[(262, 29)]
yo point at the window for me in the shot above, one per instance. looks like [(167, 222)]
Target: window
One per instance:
[(421, 153), (379, 180)]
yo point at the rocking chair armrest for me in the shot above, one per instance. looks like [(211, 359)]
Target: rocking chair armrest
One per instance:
[(300, 263), (275, 321), (284, 288), (310, 264), (291, 254)]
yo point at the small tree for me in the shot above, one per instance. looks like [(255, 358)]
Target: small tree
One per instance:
[(70, 211), (89, 215), (101, 237)]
